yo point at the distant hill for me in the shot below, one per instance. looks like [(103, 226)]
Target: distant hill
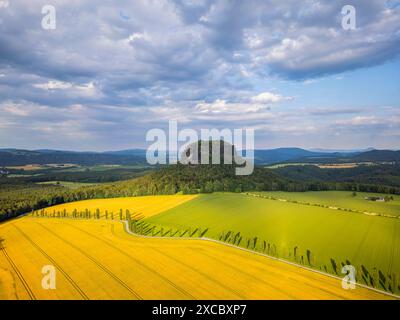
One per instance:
[(186, 179), (200, 176), (284, 154), (128, 152), (209, 178), (205, 178), (342, 150), (378, 156), (297, 155), (193, 152), (14, 157)]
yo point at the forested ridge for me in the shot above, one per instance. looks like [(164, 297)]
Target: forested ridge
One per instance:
[(380, 175), (16, 199), (23, 157)]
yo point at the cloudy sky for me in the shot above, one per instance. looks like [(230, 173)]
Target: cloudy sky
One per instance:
[(111, 70)]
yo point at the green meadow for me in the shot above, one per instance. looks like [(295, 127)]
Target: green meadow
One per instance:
[(343, 199), (320, 237), (68, 184)]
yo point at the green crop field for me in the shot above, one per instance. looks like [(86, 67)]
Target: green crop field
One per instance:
[(68, 184), (343, 199), (319, 237)]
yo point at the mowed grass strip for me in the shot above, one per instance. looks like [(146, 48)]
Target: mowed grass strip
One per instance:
[(145, 206), (153, 268)]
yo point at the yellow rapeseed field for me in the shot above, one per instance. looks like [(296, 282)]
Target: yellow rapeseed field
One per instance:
[(98, 259), (145, 206)]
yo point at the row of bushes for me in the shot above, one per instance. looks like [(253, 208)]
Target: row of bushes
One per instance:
[(375, 278), (322, 205)]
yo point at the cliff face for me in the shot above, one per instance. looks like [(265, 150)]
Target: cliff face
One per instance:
[(216, 152)]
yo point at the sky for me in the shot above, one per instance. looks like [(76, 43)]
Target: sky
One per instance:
[(112, 70)]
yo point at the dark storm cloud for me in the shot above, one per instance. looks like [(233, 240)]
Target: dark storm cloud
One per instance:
[(130, 63)]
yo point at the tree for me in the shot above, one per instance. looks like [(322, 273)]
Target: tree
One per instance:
[(209, 187)]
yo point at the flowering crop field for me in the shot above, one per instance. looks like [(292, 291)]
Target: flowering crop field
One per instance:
[(98, 259), (145, 206)]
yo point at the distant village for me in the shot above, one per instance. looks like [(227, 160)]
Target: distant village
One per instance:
[(379, 199)]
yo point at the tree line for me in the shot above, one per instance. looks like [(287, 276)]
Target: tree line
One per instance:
[(16, 199)]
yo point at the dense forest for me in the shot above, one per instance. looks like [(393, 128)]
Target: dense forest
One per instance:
[(86, 176), (20, 198), (372, 156), (23, 194), (383, 175)]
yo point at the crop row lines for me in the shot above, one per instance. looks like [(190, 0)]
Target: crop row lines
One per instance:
[(374, 278)]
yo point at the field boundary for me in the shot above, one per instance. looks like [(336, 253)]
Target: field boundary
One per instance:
[(127, 229), (323, 206)]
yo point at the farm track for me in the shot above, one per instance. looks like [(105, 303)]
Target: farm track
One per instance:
[(264, 255), (64, 273), (196, 271), (368, 241), (240, 271), (96, 262), (147, 268), (232, 274), (19, 275)]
